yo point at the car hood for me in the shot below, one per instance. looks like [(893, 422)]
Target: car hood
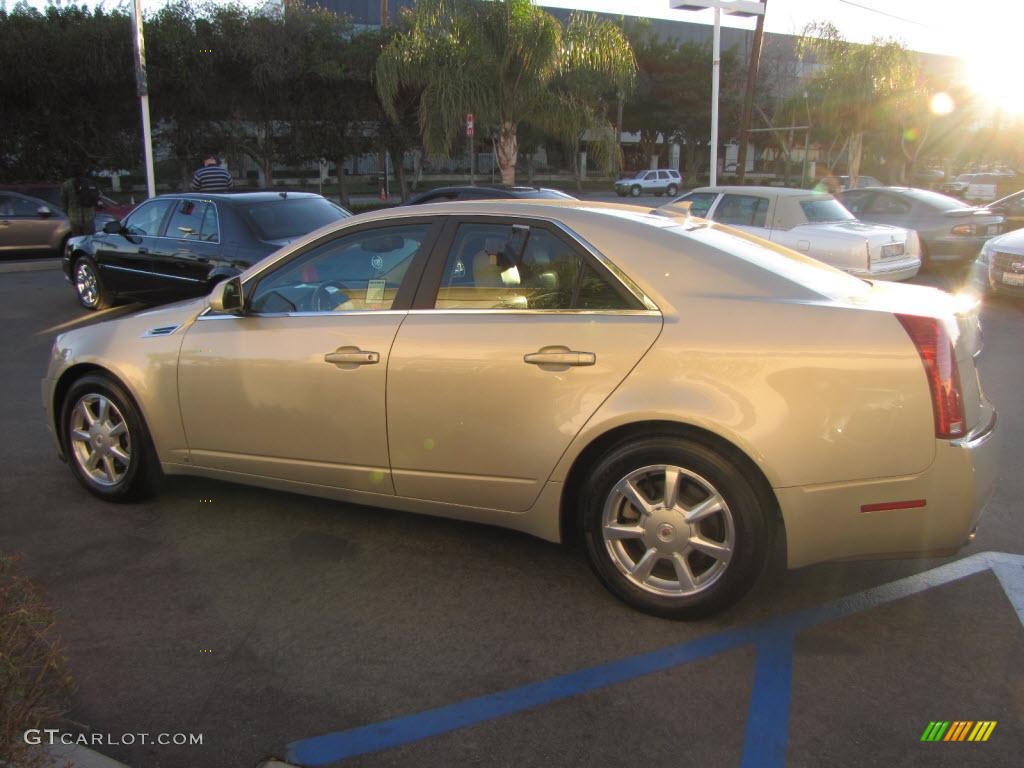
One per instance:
[(1011, 242)]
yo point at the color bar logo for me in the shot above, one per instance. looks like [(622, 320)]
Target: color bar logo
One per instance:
[(958, 730)]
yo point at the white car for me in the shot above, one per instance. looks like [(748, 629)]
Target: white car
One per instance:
[(655, 182), (813, 223)]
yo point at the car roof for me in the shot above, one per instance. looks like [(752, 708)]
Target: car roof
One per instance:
[(241, 198), (14, 193), (775, 191)]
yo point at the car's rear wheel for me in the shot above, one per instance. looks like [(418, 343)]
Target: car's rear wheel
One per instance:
[(672, 190), (673, 527), (106, 441), (89, 288), (635, 190)]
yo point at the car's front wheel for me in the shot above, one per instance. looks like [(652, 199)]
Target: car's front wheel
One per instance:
[(89, 288), (106, 440), (674, 527), (635, 190)]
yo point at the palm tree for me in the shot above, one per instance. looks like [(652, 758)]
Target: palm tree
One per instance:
[(504, 61), (857, 86)]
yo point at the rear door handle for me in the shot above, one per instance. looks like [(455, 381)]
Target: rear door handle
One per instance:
[(351, 356), (559, 356)]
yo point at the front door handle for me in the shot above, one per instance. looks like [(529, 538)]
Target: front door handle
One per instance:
[(559, 356), (351, 356)]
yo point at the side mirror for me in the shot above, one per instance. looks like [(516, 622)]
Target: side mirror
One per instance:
[(112, 227), (226, 296), (43, 212)]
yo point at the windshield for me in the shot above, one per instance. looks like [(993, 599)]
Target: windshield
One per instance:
[(281, 219), (826, 209)]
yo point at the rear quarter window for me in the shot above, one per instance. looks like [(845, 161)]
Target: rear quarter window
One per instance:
[(281, 219)]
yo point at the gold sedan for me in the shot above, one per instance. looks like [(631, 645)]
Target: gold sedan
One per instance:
[(676, 392)]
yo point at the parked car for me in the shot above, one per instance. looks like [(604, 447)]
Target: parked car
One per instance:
[(1011, 208), (662, 181), (1000, 265), (445, 194), (949, 231), (984, 187), (675, 391), (178, 246), (958, 185), (31, 226), (862, 181), (106, 209), (813, 223)]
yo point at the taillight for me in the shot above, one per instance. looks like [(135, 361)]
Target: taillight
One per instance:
[(936, 350), (963, 229)]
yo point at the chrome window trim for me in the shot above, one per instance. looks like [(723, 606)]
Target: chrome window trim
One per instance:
[(149, 273), (205, 314), (511, 311), (617, 273), (182, 239)]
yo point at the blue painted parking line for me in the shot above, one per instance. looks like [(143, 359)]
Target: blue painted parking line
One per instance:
[(767, 725)]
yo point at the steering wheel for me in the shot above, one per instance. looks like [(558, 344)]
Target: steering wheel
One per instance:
[(326, 300)]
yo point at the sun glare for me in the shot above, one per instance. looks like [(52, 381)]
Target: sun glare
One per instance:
[(996, 80)]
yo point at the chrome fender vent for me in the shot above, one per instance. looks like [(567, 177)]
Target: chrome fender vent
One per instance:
[(163, 330)]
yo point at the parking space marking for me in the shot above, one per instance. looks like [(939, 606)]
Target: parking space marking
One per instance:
[(767, 730)]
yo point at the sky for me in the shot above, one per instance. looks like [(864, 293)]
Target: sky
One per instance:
[(953, 28), (978, 28)]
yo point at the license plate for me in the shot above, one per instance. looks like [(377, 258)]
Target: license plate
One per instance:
[(1011, 279), (891, 250)]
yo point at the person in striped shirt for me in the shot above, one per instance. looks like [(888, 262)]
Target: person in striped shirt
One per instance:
[(212, 177)]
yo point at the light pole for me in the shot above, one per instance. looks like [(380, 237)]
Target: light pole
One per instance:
[(735, 8), (142, 88)]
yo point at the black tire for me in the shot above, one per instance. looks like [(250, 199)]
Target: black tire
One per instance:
[(85, 276), (673, 190), (136, 478), (742, 525), (635, 190)]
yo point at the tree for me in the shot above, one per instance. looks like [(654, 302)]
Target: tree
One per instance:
[(67, 91), (856, 85), (503, 61)]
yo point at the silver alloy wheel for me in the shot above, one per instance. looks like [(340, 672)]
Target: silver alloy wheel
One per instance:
[(100, 440), (668, 530), (86, 283), (635, 191)]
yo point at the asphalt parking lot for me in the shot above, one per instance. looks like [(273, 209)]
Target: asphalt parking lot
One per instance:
[(264, 621)]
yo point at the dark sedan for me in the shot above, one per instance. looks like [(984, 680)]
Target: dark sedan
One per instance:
[(178, 246), (444, 194), (29, 225), (949, 231)]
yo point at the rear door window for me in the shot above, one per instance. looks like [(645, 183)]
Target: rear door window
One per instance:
[(742, 210), (484, 270)]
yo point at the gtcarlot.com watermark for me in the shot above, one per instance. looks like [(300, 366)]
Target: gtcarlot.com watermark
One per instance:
[(51, 736)]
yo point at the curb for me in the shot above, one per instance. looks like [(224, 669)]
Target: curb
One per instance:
[(35, 265)]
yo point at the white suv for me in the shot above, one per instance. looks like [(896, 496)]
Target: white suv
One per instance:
[(658, 182)]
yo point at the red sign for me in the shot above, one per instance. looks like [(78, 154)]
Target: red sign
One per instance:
[(469, 125)]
